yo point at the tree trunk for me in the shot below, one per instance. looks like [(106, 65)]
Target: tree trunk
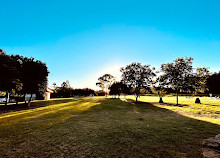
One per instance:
[(7, 96), (16, 100), (161, 99), (29, 102), (106, 92), (136, 99), (177, 101)]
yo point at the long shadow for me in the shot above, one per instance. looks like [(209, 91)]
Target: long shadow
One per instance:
[(115, 128), (34, 105), (153, 131)]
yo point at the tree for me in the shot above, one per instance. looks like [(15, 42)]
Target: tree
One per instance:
[(54, 85), (22, 75), (1, 52), (65, 90), (66, 84), (105, 82), (213, 83), (34, 77), (199, 80), (114, 89), (137, 77), (17, 89), (178, 74), (10, 71), (159, 87), (118, 88), (100, 93)]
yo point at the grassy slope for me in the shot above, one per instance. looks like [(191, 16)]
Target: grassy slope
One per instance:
[(102, 127)]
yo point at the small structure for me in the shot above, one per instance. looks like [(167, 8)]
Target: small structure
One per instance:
[(48, 94)]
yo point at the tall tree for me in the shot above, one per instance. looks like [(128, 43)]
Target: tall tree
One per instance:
[(105, 82), (199, 80), (34, 77), (66, 84), (137, 77), (178, 74), (213, 83), (10, 71), (22, 75)]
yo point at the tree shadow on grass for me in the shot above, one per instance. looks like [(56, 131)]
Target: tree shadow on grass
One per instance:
[(167, 104), (152, 131), (110, 128), (37, 104)]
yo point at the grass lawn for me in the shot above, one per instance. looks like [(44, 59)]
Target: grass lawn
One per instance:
[(102, 127), (208, 110)]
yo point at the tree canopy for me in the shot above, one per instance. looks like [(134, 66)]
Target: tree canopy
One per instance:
[(105, 81), (213, 83), (118, 88), (34, 76), (137, 77), (178, 74), (22, 74)]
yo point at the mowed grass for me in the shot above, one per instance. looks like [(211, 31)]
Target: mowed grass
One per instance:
[(208, 110), (102, 127)]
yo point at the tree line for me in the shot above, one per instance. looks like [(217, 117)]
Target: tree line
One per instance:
[(22, 75), (176, 77), (66, 91)]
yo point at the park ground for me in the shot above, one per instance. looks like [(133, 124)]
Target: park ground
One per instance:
[(106, 127)]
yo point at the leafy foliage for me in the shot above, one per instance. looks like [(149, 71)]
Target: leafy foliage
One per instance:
[(199, 80), (137, 77), (178, 74), (34, 76), (160, 87), (9, 70), (65, 91), (213, 83), (118, 88), (22, 75), (66, 84), (105, 81)]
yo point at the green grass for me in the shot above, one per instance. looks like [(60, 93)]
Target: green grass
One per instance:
[(101, 127), (208, 110)]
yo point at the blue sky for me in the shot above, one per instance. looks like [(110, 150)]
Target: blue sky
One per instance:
[(81, 40)]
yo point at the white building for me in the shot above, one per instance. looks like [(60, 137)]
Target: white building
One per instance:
[(48, 94)]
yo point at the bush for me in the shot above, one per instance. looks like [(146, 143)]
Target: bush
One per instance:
[(100, 93)]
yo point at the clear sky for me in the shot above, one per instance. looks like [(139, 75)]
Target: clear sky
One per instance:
[(81, 40)]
